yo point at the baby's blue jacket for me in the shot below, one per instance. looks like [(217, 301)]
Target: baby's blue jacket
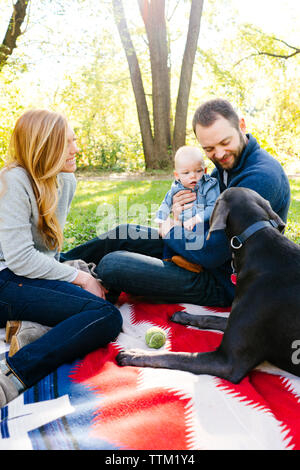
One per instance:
[(207, 190)]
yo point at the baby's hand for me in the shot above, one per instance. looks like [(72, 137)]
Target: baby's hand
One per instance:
[(190, 223)]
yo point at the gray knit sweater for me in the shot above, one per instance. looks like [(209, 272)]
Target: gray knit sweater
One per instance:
[(22, 248)]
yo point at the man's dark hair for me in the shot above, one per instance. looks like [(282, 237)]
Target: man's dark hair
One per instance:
[(211, 110)]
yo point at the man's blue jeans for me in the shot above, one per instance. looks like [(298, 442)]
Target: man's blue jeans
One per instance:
[(135, 266), (82, 322)]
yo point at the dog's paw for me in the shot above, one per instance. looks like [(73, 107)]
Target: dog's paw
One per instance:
[(181, 317), (138, 358), (130, 357)]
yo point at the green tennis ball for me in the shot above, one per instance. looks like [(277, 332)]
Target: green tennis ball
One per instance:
[(155, 337)]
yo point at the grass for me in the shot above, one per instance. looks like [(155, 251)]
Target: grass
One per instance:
[(293, 222), (101, 205)]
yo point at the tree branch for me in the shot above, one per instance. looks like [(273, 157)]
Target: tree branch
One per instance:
[(296, 50), (186, 73), (13, 31), (171, 15), (270, 54)]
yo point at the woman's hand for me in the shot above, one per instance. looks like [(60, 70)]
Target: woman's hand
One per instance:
[(88, 282), (181, 201)]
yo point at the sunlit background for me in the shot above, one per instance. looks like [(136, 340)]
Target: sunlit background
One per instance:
[(70, 58)]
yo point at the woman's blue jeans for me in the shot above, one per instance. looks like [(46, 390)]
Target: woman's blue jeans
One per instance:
[(82, 322)]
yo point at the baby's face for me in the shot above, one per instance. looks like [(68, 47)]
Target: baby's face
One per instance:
[(189, 170)]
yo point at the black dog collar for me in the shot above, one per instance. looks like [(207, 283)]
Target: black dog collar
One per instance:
[(237, 241), (240, 239)]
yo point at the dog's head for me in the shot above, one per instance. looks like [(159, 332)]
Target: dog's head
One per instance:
[(247, 203)]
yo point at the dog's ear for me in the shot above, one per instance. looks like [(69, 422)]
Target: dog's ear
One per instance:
[(272, 215), (218, 217)]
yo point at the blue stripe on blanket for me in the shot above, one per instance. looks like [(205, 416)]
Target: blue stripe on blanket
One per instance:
[(72, 431), (3, 423)]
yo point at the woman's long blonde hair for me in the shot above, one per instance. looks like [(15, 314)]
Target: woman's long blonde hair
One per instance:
[(38, 144)]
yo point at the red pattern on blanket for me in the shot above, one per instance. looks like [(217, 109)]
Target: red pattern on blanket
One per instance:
[(134, 414)]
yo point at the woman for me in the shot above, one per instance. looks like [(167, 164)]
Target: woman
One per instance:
[(37, 186)]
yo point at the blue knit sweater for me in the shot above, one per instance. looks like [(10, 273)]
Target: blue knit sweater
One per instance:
[(256, 170)]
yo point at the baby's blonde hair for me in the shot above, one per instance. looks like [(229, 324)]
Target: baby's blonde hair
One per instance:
[(38, 144), (187, 151)]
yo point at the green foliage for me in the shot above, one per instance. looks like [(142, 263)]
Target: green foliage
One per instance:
[(97, 96), (275, 114), (293, 225), (10, 109), (263, 88), (96, 100)]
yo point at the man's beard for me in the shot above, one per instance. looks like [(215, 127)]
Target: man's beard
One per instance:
[(236, 154)]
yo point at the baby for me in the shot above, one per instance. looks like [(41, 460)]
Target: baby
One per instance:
[(190, 174)]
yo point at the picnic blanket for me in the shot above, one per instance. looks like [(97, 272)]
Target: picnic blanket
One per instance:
[(95, 404)]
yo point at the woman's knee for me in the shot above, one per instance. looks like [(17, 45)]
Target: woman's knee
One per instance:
[(114, 321), (108, 315)]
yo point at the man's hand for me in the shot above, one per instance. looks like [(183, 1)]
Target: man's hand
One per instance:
[(88, 282), (181, 201)]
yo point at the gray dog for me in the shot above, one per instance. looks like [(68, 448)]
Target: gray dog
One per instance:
[(264, 323)]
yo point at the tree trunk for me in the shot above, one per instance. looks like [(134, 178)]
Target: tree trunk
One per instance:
[(188, 60), (13, 31), (153, 14), (157, 144), (137, 83)]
